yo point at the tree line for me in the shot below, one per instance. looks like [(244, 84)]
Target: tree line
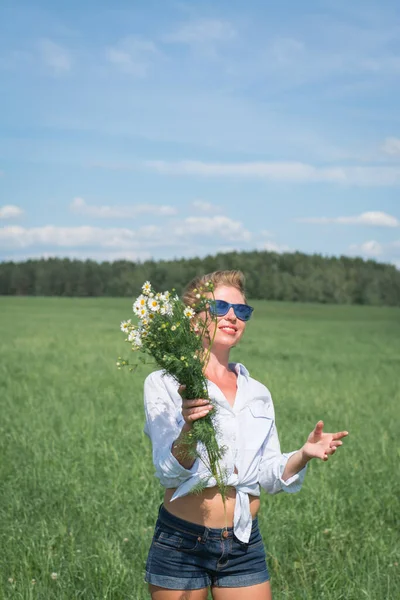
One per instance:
[(270, 276)]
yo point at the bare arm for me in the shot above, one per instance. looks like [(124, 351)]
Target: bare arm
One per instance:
[(296, 463), (319, 445), (183, 451), (182, 448)]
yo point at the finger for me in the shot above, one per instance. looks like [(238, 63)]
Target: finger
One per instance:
[(318, 428), (195, 411), (193, 402), (340, 434), (330, 451), (197, 415), (336, 444)]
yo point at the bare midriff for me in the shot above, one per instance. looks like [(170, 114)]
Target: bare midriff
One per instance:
[(206, 508)]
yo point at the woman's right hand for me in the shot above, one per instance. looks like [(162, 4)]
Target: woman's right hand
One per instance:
[(194, 409)]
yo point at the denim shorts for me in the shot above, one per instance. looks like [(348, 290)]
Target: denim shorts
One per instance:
[(187, 556)]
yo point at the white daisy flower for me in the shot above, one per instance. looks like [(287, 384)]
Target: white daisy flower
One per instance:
[(142, 313), (146, 288), (168, 309), (140, 302), (173, 327), (189, 312), (137, 341), (153, 305), (125, 326)]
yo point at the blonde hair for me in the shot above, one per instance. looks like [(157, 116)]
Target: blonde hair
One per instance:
[(234, 279)]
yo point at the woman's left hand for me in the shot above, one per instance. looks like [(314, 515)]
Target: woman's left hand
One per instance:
[(320, 444)]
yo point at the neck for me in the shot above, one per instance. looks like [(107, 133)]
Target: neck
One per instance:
[(218, 363)]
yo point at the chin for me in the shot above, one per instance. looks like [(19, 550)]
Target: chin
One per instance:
[(225, 343)]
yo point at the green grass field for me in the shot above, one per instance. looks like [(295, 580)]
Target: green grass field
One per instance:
[(77, 492)]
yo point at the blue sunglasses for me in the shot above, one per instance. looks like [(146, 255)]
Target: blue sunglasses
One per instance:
[(219, 308)]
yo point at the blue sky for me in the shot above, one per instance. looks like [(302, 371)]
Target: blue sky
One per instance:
[(174, 128)]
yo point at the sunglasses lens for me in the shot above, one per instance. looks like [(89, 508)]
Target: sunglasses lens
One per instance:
[(220, 308), (243, 312)]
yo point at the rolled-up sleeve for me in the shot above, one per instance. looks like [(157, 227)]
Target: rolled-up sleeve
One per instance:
[(273, 464), (163, 426)]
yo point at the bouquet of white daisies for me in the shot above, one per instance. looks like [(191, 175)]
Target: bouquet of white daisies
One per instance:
[(172, 334)]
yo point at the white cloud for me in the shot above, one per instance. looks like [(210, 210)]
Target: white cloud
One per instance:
[(218, 227), (281, 171), (69, 237), (391, 146), (55, 56), (266, 233), (132, 55), (387, 252), (10, 211), (203, 31), (207, 207), (179, 233), (79, 206), (274, 247), (371, 249), (225, 250), (374, 218)]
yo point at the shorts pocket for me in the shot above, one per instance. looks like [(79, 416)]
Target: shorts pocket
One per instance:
[(256, 544), (169, 539), (256, 539)]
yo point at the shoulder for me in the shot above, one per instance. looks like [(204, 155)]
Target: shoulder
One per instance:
[(160, 378), (158, 385), (259, 388), (254, 385)]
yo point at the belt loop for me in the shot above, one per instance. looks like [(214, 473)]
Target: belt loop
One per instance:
[(205, 534)]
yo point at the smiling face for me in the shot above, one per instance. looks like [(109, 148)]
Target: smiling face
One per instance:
[(229, 328)]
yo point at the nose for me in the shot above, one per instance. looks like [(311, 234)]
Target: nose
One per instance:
[(230, 314)]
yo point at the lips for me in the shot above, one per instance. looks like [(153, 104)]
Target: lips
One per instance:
[(230, 329)]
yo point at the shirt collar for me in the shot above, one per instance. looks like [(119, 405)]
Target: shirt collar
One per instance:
[(239, 369)]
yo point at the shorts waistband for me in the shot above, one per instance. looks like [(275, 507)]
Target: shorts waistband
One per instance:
[(194, 528)]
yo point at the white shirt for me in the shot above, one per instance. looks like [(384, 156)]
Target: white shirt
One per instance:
[(247, 430)]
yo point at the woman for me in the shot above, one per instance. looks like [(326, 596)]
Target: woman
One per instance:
[(196, 544)]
